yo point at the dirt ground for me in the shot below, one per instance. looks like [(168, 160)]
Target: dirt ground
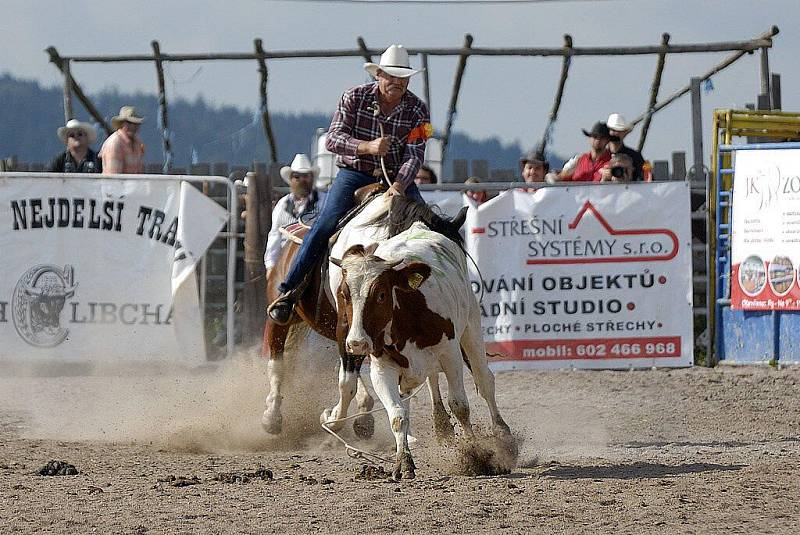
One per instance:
[(682, 451)]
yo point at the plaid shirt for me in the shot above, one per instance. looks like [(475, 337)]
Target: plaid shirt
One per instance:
[(354, 122)]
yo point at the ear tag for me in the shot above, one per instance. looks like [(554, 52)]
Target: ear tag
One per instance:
[(414, 280)]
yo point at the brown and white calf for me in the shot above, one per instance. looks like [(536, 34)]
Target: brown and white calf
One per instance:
[(407, 303)]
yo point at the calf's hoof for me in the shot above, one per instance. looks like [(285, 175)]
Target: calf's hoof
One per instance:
[(364, 426), (272, 423)]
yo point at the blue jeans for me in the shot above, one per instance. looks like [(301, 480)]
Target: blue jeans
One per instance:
[(337, 203)]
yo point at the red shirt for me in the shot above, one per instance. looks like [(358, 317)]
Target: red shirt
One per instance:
[(587, 170)]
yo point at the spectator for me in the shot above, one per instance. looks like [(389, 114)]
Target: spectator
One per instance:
[(589, 165), (425, 175), (79, 157), (619, 169), (533, 167), (123, 151), (302, 200), (619, 128), (477, 197)]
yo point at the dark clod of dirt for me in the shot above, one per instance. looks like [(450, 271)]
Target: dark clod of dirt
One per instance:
[(58, 468), (244, 477), (372, 473), (179, 481), (310, 480), (488, 456)]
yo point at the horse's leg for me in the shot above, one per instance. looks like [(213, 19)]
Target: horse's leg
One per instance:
[(275, 343), (364, 425), (385, 376), (475, 350), (348, 384), (441, 420)]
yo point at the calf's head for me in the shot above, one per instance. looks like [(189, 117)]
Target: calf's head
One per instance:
[(366, 296)]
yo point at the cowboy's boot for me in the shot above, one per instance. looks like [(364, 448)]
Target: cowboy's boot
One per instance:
[(280, 311)]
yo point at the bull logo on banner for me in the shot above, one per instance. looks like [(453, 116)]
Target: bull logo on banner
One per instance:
[(39, 298)]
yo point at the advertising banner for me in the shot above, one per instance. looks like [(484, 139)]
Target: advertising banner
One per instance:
[(765, 241), (92, 268), (591, 276)]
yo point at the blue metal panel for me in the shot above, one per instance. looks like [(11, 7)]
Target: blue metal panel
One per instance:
[(746, 336), (789, 336)]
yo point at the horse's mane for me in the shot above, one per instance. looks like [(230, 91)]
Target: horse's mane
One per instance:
[(405, 211)]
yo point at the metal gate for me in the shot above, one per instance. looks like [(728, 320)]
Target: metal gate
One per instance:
[(743, 336)]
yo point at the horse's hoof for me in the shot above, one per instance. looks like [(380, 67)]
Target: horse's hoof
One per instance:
[(397, 473), (272, 424), (364, 426)]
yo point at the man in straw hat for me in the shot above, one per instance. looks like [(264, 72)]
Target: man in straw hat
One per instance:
[(123, 151), (376, 125), (303, 200), (79, 157)]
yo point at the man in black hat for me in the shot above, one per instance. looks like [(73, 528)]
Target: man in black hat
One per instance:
[(590, 164)]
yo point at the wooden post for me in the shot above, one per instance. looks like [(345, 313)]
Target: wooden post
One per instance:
[(765, 74), (68, 112), (58, 61), (364, 50), (162, 109), (451, 111), (697, 130), (262, 68), (775, 86), (562, 82), (662, 57), (426, 83), (254, 244)]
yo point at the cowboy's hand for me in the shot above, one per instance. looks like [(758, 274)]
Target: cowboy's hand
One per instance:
[(396, 189), (378, 146)]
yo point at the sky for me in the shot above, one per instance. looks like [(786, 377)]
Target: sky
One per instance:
[(508, 98)]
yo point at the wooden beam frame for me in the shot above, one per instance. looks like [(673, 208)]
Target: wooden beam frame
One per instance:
[(451, 111), (265, 121), (162, 108), (654, 89)]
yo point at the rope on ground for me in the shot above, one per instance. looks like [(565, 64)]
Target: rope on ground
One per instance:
[(357, 453)]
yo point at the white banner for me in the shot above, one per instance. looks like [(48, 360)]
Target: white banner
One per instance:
[(592, 276), (90, 267), (765, 245)]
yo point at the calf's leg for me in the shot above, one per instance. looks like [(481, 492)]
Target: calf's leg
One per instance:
[(385, 377), (364, 425), (441, 420), (474, 348)]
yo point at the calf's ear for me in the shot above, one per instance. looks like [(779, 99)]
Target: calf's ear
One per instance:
[(411, 276), (335, 261)]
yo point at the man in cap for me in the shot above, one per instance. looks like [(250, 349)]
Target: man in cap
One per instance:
[(363, 148), (589, 165), (79, 157), (533, 166), (303, 200), (123, 151), (619, 128)]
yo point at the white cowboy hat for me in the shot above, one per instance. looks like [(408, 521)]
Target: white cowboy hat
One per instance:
[(394, 62), (127, 114), (74, 124), (300, 164), (617, 122)]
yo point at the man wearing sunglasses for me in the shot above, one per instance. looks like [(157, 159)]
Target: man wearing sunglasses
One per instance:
[(79, 157)]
